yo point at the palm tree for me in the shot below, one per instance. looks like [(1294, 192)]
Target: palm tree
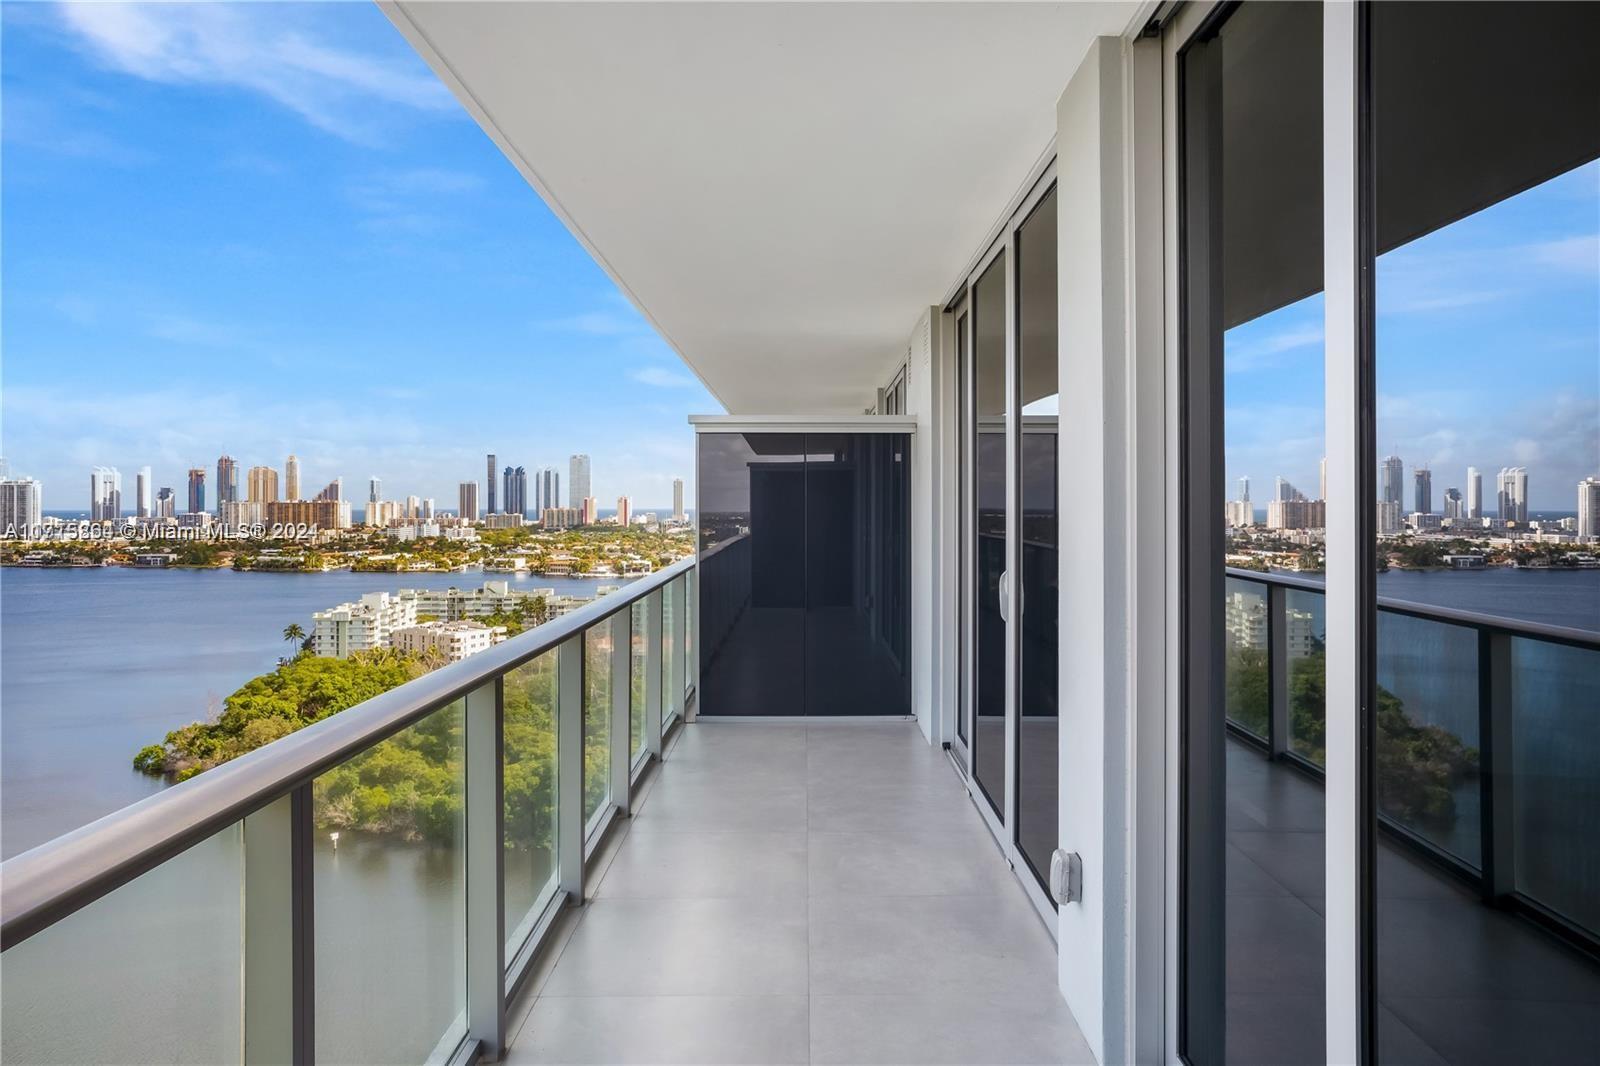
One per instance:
[(293, 633)]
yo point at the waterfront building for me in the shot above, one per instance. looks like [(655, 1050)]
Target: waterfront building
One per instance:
[(381, 513), (624, 511), (1511, 489), (515, 496), (21, 504), (426, 514), (105, 494), (413, 509), (490, 498), (454, 640), (1474, 493), (141, 493), (1423, 491), (577, 480), (194, 520), (462, 532), (374, 489), (166, 503), (549, 490), (1297, 512), (1388, 517), (1423, 521), (319, 514), (590, 513), (364, 625), (1282, 490), (1588, 524), (1454, 506), (467, 501), (677, 499), (334, 490), (197, 488), (291, 478), (261, 485), (503, 521), (238, 513), (227, 482), (560, 517), (1394, 472)]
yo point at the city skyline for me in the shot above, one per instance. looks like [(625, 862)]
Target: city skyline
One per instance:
[(276, 270)]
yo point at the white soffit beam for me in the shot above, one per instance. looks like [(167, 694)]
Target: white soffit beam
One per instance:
[(779, 187)]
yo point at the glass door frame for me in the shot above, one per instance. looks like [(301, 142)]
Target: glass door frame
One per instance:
[(960, 308)]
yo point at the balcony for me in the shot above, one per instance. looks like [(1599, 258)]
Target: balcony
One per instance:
[(468, 866)]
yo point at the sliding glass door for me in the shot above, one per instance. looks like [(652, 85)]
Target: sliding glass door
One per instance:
[(1005, 324)]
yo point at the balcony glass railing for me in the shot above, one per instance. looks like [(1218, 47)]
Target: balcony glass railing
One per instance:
[(368, 889), (1487, 736)]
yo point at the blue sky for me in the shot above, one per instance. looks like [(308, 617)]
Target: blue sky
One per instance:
[(1488, 355), (261, 229)]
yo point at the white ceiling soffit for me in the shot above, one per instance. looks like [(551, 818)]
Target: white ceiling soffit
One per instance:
[(780, 188)]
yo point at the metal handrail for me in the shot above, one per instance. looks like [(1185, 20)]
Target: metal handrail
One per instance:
[(1516, 627), (45, 884)]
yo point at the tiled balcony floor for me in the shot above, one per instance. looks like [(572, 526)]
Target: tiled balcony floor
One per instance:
[(801, 893)]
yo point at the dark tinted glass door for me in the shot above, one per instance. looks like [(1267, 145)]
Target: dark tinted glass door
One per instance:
[(989, 526), (1037, 356)]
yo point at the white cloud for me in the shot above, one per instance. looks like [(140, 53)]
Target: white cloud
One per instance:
[(595, 324), (343, 92), (1257, 353)]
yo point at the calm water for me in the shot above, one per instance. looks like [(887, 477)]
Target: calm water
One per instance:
[(95, 663)]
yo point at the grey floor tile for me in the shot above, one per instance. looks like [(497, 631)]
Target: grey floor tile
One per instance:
[(881, 945), (665, 1029), (708, 865), (1266, 1029), (1493, 1032), (945, 1030), (707, 806), (887, 807), (1274, 947), (645, 947), (962, 862), (1400, 1046)]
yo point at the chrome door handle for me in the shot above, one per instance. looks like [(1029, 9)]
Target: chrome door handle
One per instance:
[(1005, 595)]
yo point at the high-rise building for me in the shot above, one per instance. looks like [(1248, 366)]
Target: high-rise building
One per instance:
[(624, 511), (413, 507), (1393, 485), (1241, 512), (1511, 488), (515, 499), (141, 493), (1474, 501), (105, 494), (1282, 491), (21, 504), (1589, 508), (1423, 491), (578, 480), (197, 489), (334, 490), (490, 496), (291, 478), (677, 498), (1454, 505), (590, 511), (374, 489), (427, 509), (261, 485), (467, 507), (547, 490), (227, 481), (166, 503)]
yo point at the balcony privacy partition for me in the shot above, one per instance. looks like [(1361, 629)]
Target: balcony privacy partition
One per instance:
[(369, 889), (804, 573)]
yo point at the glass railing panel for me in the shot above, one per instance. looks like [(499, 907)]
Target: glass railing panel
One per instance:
[(1426, 749), (530, 794), (636, 681), (596, 719), (1555, 778), (1248, 683), (148, 973), (671, 647), (1305, 633), (690, 592), (390, 896)]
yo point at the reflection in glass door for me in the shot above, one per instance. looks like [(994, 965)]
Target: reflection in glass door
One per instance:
[(989, 523)]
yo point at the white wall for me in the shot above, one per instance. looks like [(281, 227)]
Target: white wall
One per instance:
[(1094, 651)]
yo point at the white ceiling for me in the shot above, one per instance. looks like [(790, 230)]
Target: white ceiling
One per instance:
[(780, 188)]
